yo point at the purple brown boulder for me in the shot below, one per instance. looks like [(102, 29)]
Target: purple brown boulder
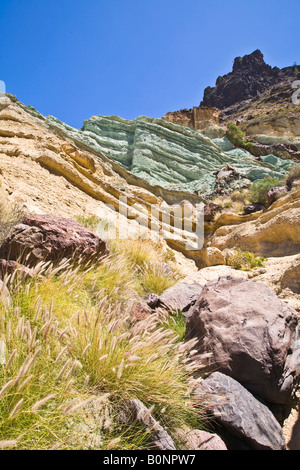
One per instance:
[(51, 238), (251, 335)]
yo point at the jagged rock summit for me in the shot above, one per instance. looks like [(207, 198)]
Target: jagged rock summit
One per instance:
[(260, 99), (250, 77)]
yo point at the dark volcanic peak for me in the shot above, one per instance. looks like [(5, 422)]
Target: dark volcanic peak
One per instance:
[(252, 63), (250, 77)]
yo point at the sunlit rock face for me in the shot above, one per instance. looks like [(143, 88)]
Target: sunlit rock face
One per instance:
[(172, 156), (201, 119)]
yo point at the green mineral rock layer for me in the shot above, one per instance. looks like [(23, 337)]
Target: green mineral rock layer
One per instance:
[(168, 155)]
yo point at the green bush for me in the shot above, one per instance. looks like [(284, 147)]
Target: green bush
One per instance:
[(90, 222), (245, 260), (237, 136), (258, 190)]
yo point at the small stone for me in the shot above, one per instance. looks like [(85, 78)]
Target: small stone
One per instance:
[(202, 440)]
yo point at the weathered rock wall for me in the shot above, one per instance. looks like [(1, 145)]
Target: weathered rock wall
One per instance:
[(201, 119)]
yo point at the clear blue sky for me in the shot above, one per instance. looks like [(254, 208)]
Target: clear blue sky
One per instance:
[(75, 58)]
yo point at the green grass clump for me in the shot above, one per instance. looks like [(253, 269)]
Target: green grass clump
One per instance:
[(155, 280), (91, 222), (245, 260), (258, 191), (36, 387), (72, 350), (146, 259), (176, 321), (137, 252)]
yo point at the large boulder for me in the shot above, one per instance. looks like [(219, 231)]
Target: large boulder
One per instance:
[(250, 334), (51, 238), (240, 413)]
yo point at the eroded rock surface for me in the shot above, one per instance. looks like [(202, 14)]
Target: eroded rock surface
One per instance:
[(273, 233)]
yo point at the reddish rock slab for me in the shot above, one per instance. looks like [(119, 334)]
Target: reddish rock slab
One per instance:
[(51, 238)]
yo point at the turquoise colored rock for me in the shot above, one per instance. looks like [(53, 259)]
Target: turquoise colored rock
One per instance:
[(168, 155)]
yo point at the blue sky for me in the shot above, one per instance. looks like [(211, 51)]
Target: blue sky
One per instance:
[(74, 59)]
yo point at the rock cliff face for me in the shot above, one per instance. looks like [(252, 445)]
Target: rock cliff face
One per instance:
[(49, 167), (146, 161), (202, 119), (119, 170), (273, 233), (173, 157), (43, 167)]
